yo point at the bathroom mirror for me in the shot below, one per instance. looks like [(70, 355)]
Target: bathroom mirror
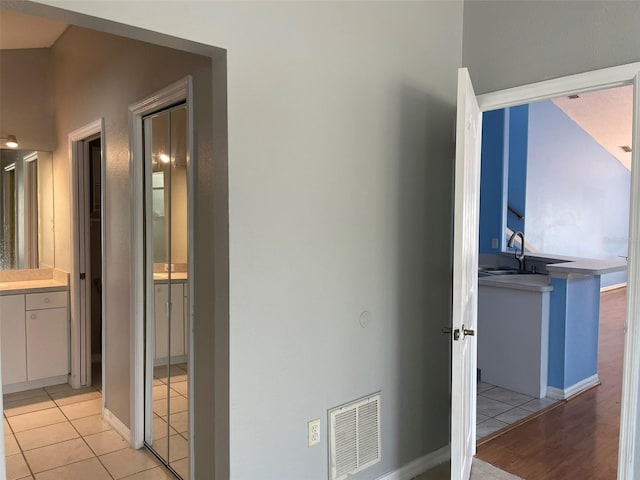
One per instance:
[(26, 208)]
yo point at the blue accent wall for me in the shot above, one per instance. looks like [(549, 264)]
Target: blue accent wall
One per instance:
[(518, 141), (583, 319), (557, 333), (573, 330), (577, 192), (493, 175), (574, 194)]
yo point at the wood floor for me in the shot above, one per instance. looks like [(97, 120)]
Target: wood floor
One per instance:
[(579, 439)]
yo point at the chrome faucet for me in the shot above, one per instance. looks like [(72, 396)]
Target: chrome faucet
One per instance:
[(519, 256)]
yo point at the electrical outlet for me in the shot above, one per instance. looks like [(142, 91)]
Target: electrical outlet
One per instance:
[(494, 243), (314, 432)]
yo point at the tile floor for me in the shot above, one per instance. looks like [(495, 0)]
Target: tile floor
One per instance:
[(171, 418), (498, 407), (57, 433)]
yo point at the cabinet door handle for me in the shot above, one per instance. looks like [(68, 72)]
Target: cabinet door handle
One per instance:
[(47, 300), (33, 316)]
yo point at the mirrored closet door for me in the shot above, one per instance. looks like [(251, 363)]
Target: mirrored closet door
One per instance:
[(167, 306)]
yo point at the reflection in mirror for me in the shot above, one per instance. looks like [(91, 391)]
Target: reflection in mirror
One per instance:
[(166, 239), (26, 208)]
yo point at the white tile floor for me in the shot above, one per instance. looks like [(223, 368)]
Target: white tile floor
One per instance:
[(56, 433), (498, 407)]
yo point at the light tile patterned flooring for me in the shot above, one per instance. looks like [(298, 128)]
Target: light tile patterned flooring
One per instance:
[(498, 407), (171, 418), (56, 433)]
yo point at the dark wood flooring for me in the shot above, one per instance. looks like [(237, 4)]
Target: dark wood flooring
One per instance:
[(579, 439)]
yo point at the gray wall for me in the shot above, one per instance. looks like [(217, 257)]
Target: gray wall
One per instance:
[(98, 75), (25, 89), (507, 44), (340, 170)]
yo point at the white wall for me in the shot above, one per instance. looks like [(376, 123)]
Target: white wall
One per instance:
[(340, 170)]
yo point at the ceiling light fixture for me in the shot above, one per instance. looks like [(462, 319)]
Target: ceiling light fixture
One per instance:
[(626, 148), (164, 158), (10, 141)]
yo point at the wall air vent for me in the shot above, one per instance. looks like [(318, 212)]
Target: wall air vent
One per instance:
[(626, 148), (354, 436)]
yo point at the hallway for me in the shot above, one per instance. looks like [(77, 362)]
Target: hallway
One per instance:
[(578, 439)]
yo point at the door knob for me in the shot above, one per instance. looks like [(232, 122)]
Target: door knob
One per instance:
[(468, 331)]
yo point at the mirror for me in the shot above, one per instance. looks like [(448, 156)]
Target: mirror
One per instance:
[(167, 311), (26, 208)]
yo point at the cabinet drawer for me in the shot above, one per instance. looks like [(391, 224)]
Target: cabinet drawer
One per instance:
[(37, 301)]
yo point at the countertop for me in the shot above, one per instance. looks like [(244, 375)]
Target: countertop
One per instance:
[(579, 266), (533, 282), (163, 277), (31, 286)]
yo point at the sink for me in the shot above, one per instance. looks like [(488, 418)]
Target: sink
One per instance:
[(488, 271)]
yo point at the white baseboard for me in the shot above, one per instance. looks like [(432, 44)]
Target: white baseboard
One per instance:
[(562, 394), (117, 425), (613, 287), (419, 465)]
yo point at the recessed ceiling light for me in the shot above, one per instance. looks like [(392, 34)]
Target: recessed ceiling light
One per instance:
[(626, 148)]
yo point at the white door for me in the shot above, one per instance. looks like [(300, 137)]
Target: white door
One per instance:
[(465, 279)]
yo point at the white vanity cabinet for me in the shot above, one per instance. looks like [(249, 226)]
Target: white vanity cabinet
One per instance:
[(35, 338), (13, 335), (161, 299)]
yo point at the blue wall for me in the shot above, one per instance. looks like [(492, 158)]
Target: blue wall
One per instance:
[(493, 178), (573, 193), (577, 192), (573, 330), (518, 141)]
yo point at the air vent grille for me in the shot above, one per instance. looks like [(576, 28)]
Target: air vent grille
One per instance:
[(354, 436)]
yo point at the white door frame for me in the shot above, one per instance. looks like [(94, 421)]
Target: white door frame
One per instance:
[(574, 84), (81, 323), (182, 90)]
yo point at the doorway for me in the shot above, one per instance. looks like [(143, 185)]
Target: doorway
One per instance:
[(88, 269), (167, 314), (576, 84), (572, 181)]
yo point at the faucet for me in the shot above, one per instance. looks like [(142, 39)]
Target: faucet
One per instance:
[(519, 256)]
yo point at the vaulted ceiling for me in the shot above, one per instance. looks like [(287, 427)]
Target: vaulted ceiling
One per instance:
[(606, 115)]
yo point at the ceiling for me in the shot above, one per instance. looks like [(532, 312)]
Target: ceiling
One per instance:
[(18, 31), (606, 115)]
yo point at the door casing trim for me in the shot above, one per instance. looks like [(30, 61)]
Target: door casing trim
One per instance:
[(77, 324), (180, 91), (628, 74)]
